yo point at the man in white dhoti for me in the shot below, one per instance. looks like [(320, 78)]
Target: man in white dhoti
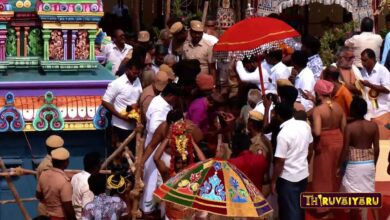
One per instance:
[(155, 115), (359, 136)]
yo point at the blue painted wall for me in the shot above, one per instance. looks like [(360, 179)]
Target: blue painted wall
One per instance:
[(15, 151)]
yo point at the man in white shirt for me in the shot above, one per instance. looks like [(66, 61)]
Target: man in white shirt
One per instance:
[(291, 168), (304, 81), (210, 38), (121, 95), (376, 82), (278, 69), (156, 114), (81, 193), (116, 51), (248, 71), (311, 46), (367, 39)]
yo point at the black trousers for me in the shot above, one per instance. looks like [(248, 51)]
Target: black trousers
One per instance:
[(289, 199)]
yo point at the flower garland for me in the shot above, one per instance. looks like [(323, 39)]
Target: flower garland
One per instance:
[(181, 142), (133, 114)]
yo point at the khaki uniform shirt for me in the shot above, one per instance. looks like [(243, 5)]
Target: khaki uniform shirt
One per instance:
[(44, 165), (56, 189), (203, 52)]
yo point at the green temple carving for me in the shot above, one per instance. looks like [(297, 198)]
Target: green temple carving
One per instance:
[(11, 42), (48, 116), (35, 43)]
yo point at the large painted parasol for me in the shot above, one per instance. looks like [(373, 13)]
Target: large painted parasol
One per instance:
[(217, 187), (252, 37)]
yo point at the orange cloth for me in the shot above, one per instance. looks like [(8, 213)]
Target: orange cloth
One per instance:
[(325, 163), (382, 121), (348, 76), (344, 98)]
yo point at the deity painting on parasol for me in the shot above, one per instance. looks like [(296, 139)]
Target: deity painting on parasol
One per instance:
[(217, 187)]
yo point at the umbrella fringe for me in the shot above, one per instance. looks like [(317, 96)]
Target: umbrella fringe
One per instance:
[(240, 55), (265, 216)]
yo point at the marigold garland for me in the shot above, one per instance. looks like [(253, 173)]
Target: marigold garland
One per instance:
[(181, 142), (133, 114)]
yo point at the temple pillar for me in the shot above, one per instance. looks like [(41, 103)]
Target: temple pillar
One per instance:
[(26, 29), (92, 37), (3, 38), (74, 44), (65, 36), (46, 37), (17, 29)]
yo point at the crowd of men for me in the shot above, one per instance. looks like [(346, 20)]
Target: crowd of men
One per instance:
[(331, 115)]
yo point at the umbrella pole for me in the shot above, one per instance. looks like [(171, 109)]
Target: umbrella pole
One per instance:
[(261, 76)]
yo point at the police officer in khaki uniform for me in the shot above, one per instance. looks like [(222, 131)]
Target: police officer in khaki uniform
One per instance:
[(52, 142), (179, 36), (54, 188), (200, 49)]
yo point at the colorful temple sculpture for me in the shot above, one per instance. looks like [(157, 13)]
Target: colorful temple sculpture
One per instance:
[(50, 82), (23, 36), (69, 31), (48, 49)]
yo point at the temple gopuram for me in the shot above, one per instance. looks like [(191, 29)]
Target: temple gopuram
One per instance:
[(51, 83)]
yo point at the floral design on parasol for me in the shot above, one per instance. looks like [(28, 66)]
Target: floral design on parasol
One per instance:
[(217, 187)]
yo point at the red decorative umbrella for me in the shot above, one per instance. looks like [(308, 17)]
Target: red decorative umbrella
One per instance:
[(253, 36)]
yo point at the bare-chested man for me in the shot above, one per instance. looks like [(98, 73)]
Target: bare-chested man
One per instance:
[(341, 94), (328, 124), (359, 137)]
